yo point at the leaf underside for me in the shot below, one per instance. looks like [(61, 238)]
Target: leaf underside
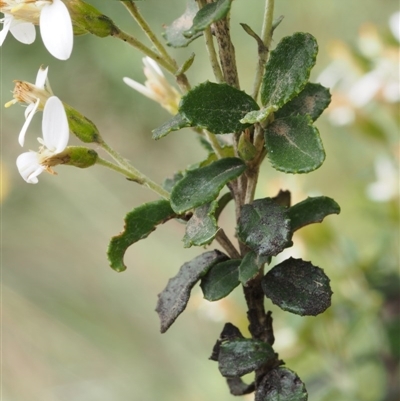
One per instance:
[(173, 299)]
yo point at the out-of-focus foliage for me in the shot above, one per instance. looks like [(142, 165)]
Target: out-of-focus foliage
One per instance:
[(73, 329)]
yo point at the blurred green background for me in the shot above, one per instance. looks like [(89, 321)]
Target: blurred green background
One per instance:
[(73, 329)]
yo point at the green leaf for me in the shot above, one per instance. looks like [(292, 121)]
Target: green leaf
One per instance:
[(281, 384), (312, 210), (176, 123), (264, 226), (139, 223), (217, 107), (298, 287), (258, 116), (242, 356), (173, 33), (294, 145), (207, 15), (203, 185), (202, 226), (173, 299), (288, 69), (250, 266), (221, 280), (312, 100)]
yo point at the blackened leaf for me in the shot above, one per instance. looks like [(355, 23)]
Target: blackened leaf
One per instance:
[(242, 356), (139, 223), (264, 226), (288, 69), (217, 107), (294, 145), (202, 226), (238, 387), (173, 299), (298, 287), (221, 280), (281, 384), (312, 210), (207, 15), (176, 123), (174, 33), (250, 266), (203, 185), (312, 100)]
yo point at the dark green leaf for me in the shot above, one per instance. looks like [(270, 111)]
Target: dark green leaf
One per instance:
[(217, 107), (204, 184), (294, 145), (221, 280), (312, 100), (173, 299), (281, 384), (202, 226), (176, 123), (242, 356), (250, 266), (264, 226), (298, 287), (139, 223), (288, 69), (174, 33), (207, 15), (312, 210)]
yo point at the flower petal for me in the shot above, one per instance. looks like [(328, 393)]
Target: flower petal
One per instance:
[(6, 27), (56, 29), (152, 66), (55, 125), (23, 31), (41, 77), (28, 115), (29, 167), (144, 90)]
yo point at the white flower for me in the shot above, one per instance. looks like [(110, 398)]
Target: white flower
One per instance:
[(34, 95), (156, 87), (386, 187), (55, 139), (52, 16)]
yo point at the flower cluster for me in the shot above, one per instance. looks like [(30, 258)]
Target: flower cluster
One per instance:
[(55, 127), (52, 16)]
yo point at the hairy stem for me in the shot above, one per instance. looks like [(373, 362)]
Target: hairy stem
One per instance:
[(134, 175), (137, 44), (226, 52), (134, 11), (263, 51), (212, 54), (226, 243), (212, 139)]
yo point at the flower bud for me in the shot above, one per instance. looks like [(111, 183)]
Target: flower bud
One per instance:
[(246, 149), (86, 18), (77, 156), (81, 126)]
